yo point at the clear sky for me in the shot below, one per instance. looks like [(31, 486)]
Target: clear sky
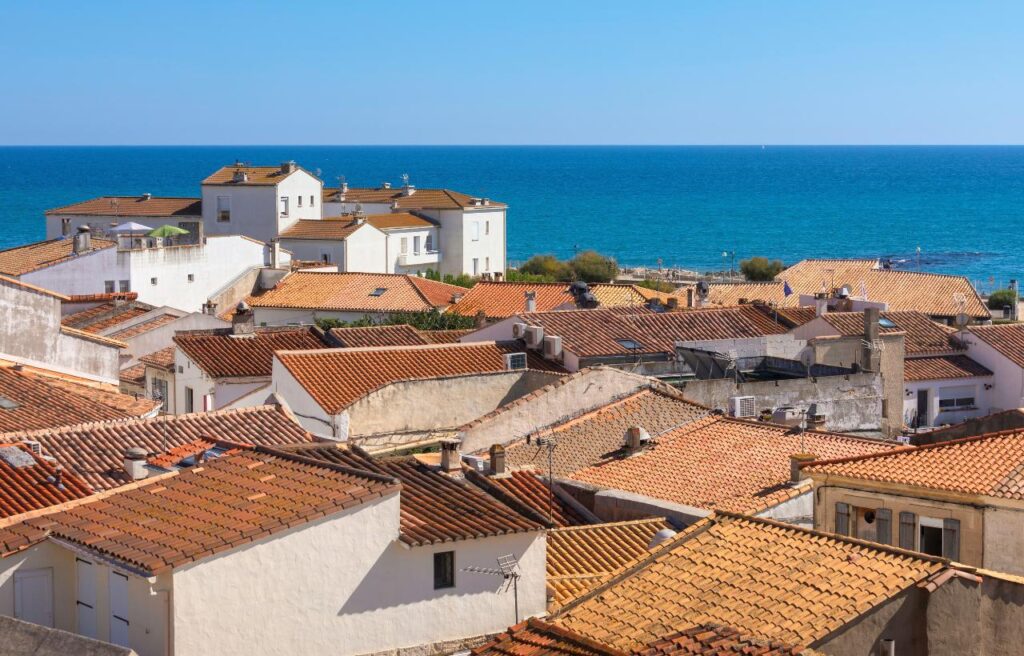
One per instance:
[(490, 72)]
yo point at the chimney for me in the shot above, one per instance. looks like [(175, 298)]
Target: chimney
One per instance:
[(147, 196), (243, 322), (408, 190), (820, 304), (497, 459), (344, 187), (240, 176), (531, 301), (795, 462), (480, 319), (385, 185), (689, 297), (135, 463), (450, 459), (636, 437), (58, 477), (275, 253), (672, 303), (288, 167), (210, 308), (82, 240)]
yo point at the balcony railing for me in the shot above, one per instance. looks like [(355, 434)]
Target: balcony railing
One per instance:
[(419, 257)]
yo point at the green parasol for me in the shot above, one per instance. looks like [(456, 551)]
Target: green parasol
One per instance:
[(167, 231)]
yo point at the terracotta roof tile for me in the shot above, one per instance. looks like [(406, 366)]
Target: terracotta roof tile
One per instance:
[(436, 507), (144, 326), (941, 367), (922, 336), (20, 260), (331, 229), (337, 377), (444, 336), (722, 463), (162, 359), (439, 199), (535, 637), (990, 465), (716, 640), (355, 292), (158, 206), (105, 315), (220, 354), (133, 375), (398, 335), (398, 220), (764, 578), (255, 175), (528, 490), (28, 482), (41, 401), (203, 510), (95, 451), (500, 300), (596, 435), (1007, 339), (580, 558)]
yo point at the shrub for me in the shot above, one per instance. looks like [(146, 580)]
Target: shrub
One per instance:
[(657, 285), (515, 275), (1000, 298), (429, 320), (591, 266), (547, 266), (461, 280), (761, 269)]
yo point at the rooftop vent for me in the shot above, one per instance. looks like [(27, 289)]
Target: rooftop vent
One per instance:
[(385, 185), (450, 460), (135, 463), (531, 301), (7, 404), (147, 196), (240, 176), (636, 438), (661, 536), (288, 167)]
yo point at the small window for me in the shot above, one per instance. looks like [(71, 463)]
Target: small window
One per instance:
[(429, 244), (487, 227), (189, 400), (311, 203), (152, 281), (630, 344), (223, 209), (378, 292), (476, 266), (416, 245), (487, 264), (108, 286), (404, 245), (284, 206), (515, 361), (124, 286), (191, 277), (931, 540), (475, 231), (444, 570), (886, 323), (300, 200)]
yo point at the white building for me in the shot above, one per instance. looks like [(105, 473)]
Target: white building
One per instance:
[(107, 212), (1000, 348)]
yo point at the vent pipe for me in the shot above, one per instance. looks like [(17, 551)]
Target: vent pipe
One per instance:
[(531, 301)]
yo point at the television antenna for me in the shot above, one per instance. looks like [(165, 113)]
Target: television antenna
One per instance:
[(405, 179), (507, 571)]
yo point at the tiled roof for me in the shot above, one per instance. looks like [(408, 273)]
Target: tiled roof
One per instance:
[(536, 637), (922, 335), (256, 175), (332, 229), (144, 326), (592, 437), (764, 578), (220, 354), (28, 482), (337, 377), (716, 640), (162, 359), (746, 292), (20, 260), (95, 451), (355, 292), (500, 300), (940, 367), (433, 199), (581, 558), (722, 463), (989, 465), (133, 375), (933, 294), (593, 333), (105, 315), (436, 507), (1007, 339), (205, 510), (398, 335), (444, 336), (160, 206), (527, 489), (47, 401), (398, 220)]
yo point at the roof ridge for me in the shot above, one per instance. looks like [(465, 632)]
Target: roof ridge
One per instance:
[(626, 522), (297, 457), (398, 347), (1009, 432)]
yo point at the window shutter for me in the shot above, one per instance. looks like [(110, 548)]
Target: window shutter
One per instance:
[(908, 524), (883, 524), (951, 539), (843, 518)]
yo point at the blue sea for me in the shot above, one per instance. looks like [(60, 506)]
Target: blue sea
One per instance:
[(684, 206)]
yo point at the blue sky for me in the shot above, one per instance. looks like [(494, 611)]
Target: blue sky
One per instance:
[(554, 72)]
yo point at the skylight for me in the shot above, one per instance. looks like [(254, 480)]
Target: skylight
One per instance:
[(886, 323), (378, 292), (630, 344), (7, 404)]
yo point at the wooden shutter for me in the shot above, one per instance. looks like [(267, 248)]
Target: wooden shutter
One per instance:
[(843, 518), (951, 539), (908, 525), (883, 525)]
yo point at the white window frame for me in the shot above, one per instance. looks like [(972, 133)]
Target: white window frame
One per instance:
[(476, 266), (284, 206), (474, 231)]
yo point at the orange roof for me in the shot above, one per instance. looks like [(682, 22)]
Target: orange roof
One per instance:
[(330, 229), (433, 199), (762, 577), (1007, 339), (500, 300), (747, 292), (580, 558), (398, 220), (941, 367), (20, 260), (922, 335), (528, 492), (255, 175), (987, 465), (28, 482), (336, 378), (162, 359), (356, 292), (105, 315), (722, 463), (157, 206), (134, 375), (143, 327), (220, 354), (202, 511), (536, 637), (362, 336)]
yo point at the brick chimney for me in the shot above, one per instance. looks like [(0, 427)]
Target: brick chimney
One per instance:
[(497, 459), (451, 461)]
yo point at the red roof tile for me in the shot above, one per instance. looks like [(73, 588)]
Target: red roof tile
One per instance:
[(20, 260), (1007, 339), (398, 335), (527, 489), (162, 359), (127, 206), (941, 367), (28, 482), (356, 292), (144, 326), (105, 315), (499, 300), (220, 354), (440, 199), (922, 336)]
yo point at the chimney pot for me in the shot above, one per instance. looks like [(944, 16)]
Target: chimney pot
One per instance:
[(497, 459), (344, 187), (288, 167), (531, 301), (636, 437), (82, 241)]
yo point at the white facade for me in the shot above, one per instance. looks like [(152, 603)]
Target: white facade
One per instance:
[(364, 250), (1008, 387), (947, 401), (413, 250), (261, 211)]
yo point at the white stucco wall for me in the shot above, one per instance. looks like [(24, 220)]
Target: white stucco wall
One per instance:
[(937, 417), (189, 375), (1008, 385), (1004, 540), (255, 209), (101, 224), (84, 274), (159, 338), (458, 246)]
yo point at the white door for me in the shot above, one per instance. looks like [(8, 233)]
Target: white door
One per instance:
[(85, 606), (33, 596), (118, 608)]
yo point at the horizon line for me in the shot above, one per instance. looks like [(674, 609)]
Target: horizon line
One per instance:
[(537, 145)]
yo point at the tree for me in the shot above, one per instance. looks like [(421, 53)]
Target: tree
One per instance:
[(547, 266), (516, 275), (1000, 298), (461, 280), (429, 320), (761, 269), (663, 286), (591, 266)]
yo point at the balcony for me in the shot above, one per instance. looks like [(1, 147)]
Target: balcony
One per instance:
[(419, 258)]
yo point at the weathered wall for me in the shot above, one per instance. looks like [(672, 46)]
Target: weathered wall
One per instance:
[(1007, 420), (1004, 540), (966, 618), (902, 618), (228, 296)]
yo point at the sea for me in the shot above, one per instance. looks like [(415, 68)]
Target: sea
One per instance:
[(953, 210)]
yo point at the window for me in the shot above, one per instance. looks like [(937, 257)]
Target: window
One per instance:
[(444, 570), (108, 286), (487, 227), (124, 286), (191, 277), (630, 344), (189, 400), (474, 231), (416, 245), (960, 397), (429, 247), (515, 361), (930, 536), (405, 245), (159, 391), (476, 266), (223, 209), (311, 203), (284, 206), (152, 281), (886, 323), (325, 258), (299, 198), (487, 264), (378, 292)]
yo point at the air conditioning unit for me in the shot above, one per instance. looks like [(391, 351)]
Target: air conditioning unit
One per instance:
[(519, 330), (534, 336), (552, 347), (36, 447), (742, 406)]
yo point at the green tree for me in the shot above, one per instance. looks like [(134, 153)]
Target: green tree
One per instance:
[(515, 275), (761, 269), (1000, 298), (429, 320), (591, 266), (547, 266), (461, 280), (657, 285)]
